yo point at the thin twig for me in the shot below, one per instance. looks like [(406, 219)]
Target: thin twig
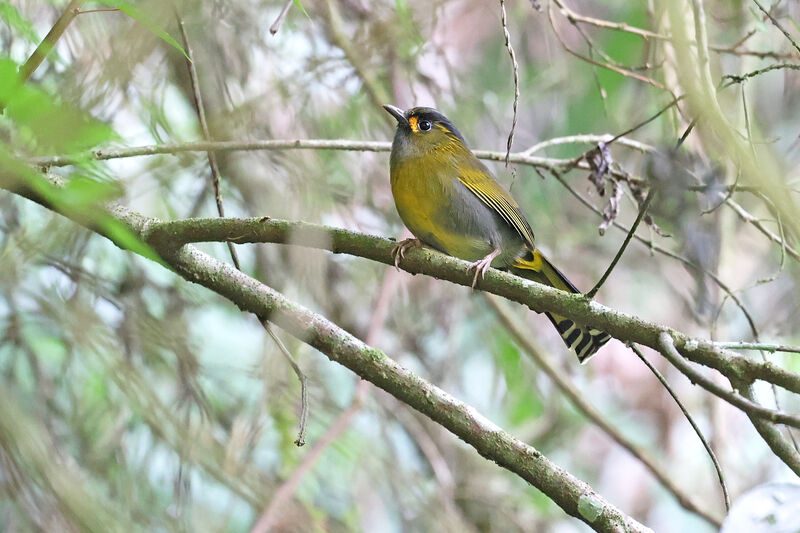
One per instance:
[(342, 422), (201, 115), (673, 103), (686, 133), (288, 144), (569, 390), (108, 10), (728, 195), (600, 23), (215, 180), (642, 211), (273, 29), (777, 25), (656, 248), (589, 139), (761, 346), (345, 145), (732, 78), (647, 34), (751, 219), (781, 236), (695, 427), (618, 70), (301, 432), (753, 410), (515, 68)]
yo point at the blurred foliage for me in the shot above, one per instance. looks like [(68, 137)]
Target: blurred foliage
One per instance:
[(132, 398)]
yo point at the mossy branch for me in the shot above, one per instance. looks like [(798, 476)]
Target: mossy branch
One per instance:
[(171, 241)]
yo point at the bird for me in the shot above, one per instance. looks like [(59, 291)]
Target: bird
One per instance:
[(451, 201)]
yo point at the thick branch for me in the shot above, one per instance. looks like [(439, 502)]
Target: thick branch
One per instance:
[(574, 496), (571, 494), (745, 401), (577, 399), (534, 295)]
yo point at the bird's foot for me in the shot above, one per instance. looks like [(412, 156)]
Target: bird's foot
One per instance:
[(482, 265), (399, 250)]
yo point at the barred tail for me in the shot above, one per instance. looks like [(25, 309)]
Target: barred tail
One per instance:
[(584, 340)]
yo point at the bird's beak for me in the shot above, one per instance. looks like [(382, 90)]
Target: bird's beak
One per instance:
[(397, 113)]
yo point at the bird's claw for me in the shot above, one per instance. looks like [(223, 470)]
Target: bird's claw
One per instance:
[(399, 250), (481, 266)]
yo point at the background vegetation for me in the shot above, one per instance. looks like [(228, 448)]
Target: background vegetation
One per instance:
[(135, 399)]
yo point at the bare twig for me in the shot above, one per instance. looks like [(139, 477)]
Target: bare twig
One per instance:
[(761, 346), (301, 432), (777, 24), (381, 309), (515, 68), (781, 235), (590, 139), (686, 133), (751, 219), (734, 49), (618, 70), (108, 10), (642, 211), (315, 144), (761, 54), (297, 144), (732, 78), (201, 115), (215, 181), (273, 29), (673, 103), (656, 248), (573, 16), (695, 427)]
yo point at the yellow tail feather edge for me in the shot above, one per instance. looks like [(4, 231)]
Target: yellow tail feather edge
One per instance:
[(583, 340)]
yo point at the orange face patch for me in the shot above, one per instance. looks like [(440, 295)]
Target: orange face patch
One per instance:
[(412, 121)]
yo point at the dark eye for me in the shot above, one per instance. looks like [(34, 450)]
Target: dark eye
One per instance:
[(424, 125)]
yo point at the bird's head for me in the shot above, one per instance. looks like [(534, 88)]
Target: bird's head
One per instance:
[(423, 131)]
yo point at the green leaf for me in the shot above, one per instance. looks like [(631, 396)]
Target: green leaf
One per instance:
[(9, 79), (298, 4), (53, 126), (83, 192), (521, 398), (46, 124), (148, 23), (83, 199)]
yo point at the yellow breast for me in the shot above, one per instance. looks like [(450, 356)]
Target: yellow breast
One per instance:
[(424, 197)]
